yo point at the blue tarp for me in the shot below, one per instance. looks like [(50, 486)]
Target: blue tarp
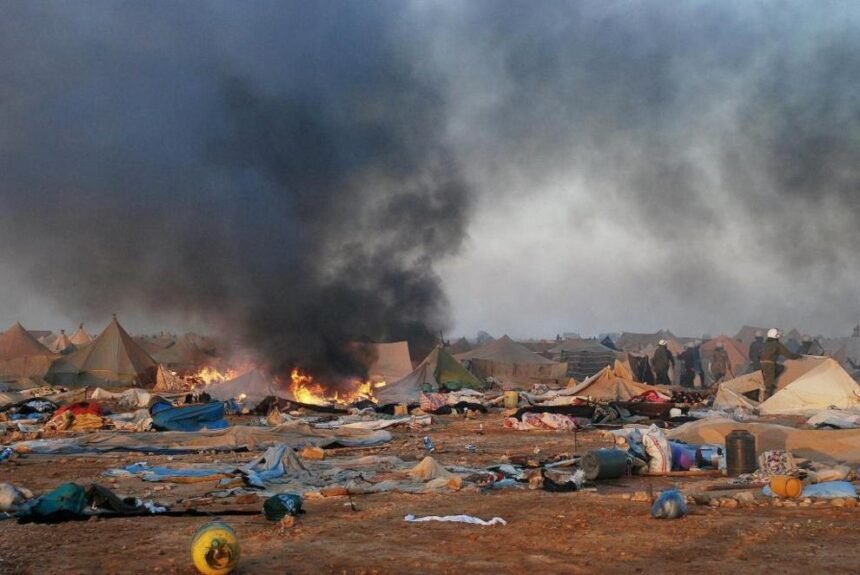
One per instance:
[(826, 490), (165, 417)]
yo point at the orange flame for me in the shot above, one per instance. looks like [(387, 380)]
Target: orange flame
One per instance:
[(305, 390), (209, 375)]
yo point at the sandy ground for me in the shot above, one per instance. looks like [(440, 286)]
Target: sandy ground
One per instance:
[(584, 532)]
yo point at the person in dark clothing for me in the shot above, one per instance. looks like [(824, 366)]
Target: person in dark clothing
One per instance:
[(771, 352), (690, 361), (756, 348), (662, 361), (720, 364)]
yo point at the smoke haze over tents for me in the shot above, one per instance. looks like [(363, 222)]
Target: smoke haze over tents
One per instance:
[(307, 173)]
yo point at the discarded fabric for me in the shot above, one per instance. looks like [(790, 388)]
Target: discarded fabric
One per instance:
[(456, 519)]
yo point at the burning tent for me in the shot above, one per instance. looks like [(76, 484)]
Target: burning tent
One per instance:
[(112, 359), (439, 370), (251, 387), (514, 365), (391, 360)]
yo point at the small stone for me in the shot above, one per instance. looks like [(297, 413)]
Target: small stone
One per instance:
[(838, 502), (640, 496), (728, 503), (850, 502), (789, 504)]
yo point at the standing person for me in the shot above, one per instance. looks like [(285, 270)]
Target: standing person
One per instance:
[(756, 347), (662, 361), (720, 364), (772, 351), (689, 360)]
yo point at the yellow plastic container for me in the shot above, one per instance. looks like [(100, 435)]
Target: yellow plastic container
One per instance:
[(512, 399), (786, 486), (215, 548)]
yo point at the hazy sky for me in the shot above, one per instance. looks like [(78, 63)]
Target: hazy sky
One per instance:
[(518, 167)]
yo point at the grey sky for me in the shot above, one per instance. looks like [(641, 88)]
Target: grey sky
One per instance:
[(609, 165)]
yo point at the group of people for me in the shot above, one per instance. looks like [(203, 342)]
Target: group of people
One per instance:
[(764, 355)]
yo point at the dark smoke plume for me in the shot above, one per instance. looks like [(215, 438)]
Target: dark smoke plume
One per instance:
[(297, 173), (291, 185)]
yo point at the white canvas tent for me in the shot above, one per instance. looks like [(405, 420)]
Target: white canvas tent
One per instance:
[(732, 394), (826, 385)]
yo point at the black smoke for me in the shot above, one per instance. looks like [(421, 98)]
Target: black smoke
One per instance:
[(288, 182), (297, 172)]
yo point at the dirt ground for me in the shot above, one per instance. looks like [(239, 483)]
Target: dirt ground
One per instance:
[(583, 532)]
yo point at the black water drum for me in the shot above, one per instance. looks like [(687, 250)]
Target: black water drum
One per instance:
[(740, 453)]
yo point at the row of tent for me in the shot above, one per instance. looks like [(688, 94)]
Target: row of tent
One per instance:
[(113, 358)]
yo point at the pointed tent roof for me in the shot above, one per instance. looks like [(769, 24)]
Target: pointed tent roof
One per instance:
[(18, 342), (167, 382), (825, 386), (437, 370), (113, 357), (505, 350), (746, 335), (80, 337), (62, 343)]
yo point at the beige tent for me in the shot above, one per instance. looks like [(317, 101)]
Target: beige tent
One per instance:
[(512, 364), (391, 360), (816, 444), (826, 385), (80, 338), (182, 355), (62, 344), (166, 382), (438, 370), (611, 384), (735, 350), (732, 394), (17, 342), (112, 359)]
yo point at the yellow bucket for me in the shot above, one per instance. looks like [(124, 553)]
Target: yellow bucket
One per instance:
[(512, 399), (786, 486), (215, 549), (400, 410)]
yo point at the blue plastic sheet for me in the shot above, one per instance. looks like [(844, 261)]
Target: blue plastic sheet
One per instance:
[(826, 490), (165, 417)]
